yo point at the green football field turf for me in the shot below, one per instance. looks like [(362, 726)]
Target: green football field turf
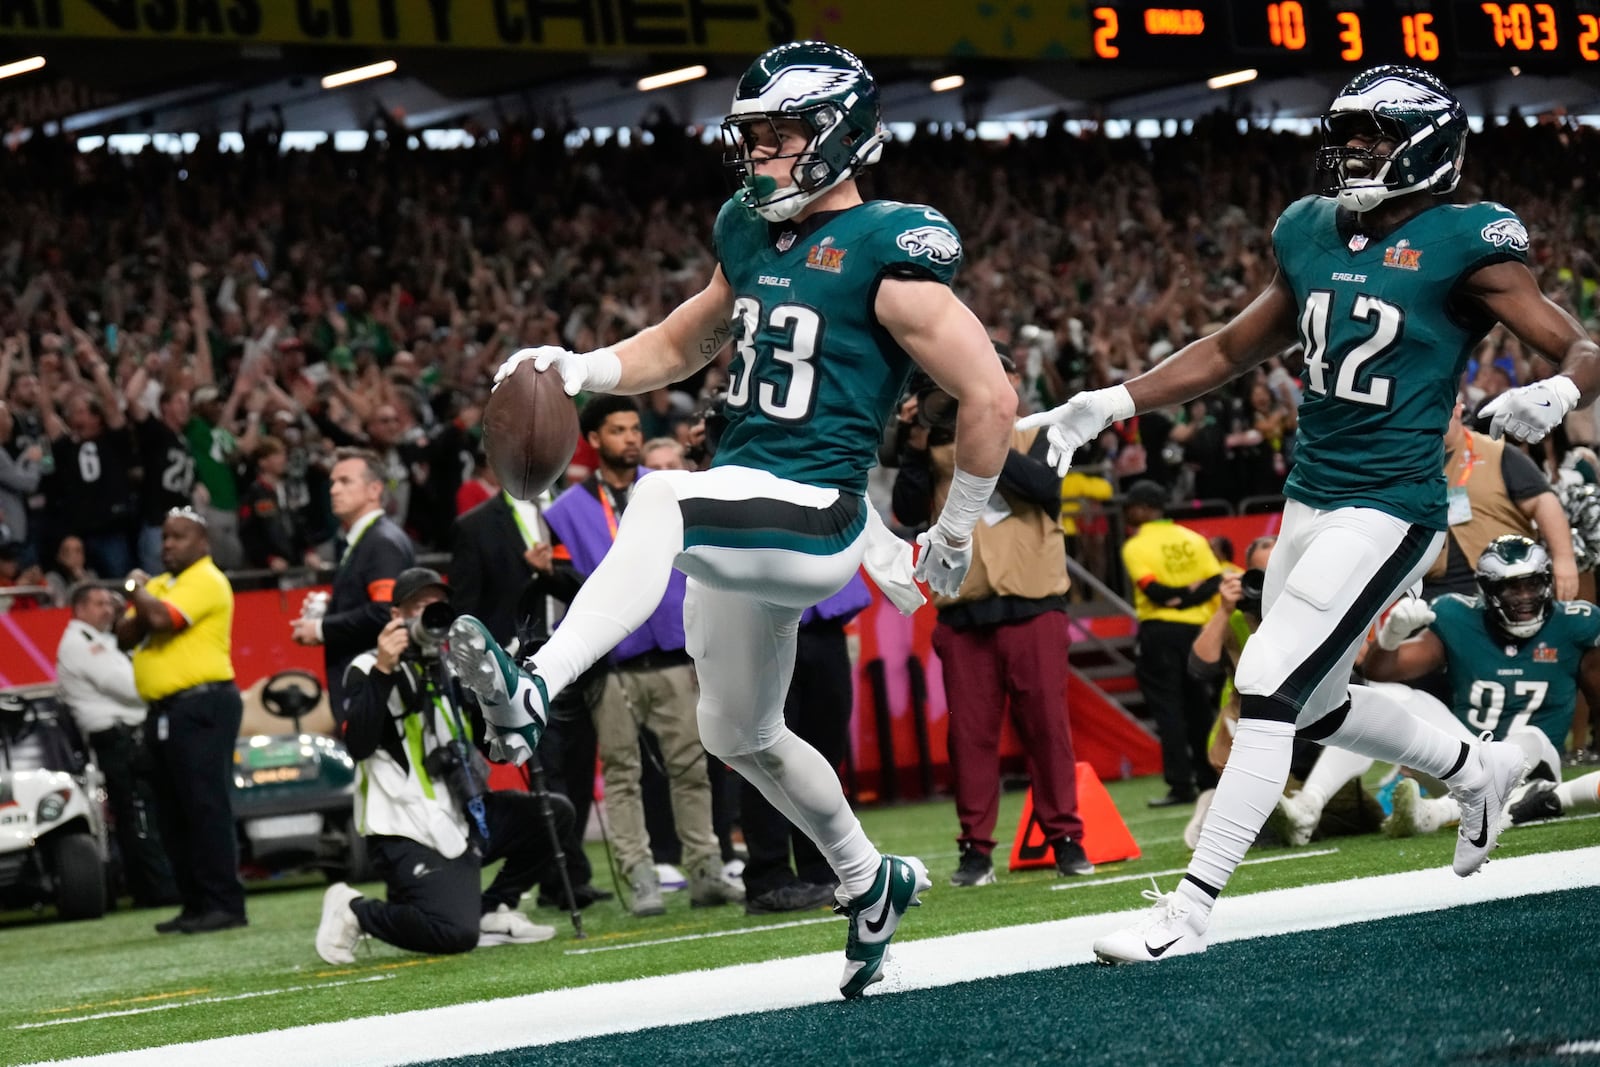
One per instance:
[(95, 983)]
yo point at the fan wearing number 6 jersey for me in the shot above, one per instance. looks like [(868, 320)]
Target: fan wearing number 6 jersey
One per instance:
[(1516, 657), (1386, 287), (828, 300)]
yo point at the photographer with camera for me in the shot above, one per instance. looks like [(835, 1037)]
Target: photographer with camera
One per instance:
[(431, 824)]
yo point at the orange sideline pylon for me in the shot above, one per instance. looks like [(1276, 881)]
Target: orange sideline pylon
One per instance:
[(1105, 836)]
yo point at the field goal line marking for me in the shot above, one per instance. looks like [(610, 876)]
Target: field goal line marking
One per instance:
[(701, 937), (201, 1000), (1090, 883)]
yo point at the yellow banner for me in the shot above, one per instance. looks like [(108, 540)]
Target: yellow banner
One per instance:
[(740, 27)]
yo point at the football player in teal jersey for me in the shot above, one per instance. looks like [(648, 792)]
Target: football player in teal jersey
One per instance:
[(828, 301), (1386, 286), (1516, 658)]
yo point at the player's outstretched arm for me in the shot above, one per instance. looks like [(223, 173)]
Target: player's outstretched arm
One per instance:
[(946, 339), (686, 340), (1263, 329), (1509, 292), (682, 343)]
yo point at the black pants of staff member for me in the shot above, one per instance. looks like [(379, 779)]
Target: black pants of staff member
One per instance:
[(190, 736), (817, 709), (126, 765), (435, 903), (567, 753), (1183, 709)]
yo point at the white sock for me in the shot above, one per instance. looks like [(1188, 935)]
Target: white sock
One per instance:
[(1246, 794), (797, 781), (1380, 727), (1334, 767), (624, 590), (1580, 794)]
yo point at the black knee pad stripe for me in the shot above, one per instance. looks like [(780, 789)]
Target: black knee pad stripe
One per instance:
[(1461, 761), (1326, 726), (1273, 708)]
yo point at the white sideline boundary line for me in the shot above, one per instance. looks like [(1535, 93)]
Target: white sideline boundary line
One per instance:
[(1091, 881), (701, 937), (620, 1007), (171, 1004)]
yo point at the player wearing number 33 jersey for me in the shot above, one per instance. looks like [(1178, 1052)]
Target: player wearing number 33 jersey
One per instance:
[(812, 380), (1385, 286), (826, 300)]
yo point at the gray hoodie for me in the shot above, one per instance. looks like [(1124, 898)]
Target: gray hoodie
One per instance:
[(19, 477)]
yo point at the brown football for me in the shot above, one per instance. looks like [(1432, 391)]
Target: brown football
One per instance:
[(530, 430)]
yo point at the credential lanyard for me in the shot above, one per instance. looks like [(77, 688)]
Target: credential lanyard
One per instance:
[(529, 538)]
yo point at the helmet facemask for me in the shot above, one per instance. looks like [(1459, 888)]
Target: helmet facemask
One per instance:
[(1518, 585), (830, 155), (1425, 125)]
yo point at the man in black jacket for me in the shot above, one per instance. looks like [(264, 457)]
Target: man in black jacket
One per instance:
[(431, 824), (495, 549), (371, 552)]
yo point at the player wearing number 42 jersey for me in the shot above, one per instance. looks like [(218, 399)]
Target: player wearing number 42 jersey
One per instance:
[(828, 300), (1386, 287)]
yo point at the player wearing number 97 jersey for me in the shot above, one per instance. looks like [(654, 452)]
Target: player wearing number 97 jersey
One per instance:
[(1515, 654), (1386, 287)]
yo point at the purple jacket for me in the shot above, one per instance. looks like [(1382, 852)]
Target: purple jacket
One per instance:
[(842, 606), (579, 519)]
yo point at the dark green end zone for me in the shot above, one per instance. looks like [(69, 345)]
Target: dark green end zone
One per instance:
[(1504, 982)]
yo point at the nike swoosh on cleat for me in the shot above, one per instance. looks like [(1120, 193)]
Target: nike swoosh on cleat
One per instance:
[(1483, 835), (1156, 952), (883, 914)]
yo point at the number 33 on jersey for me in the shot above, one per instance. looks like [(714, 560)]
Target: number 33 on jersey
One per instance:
[(1386, 338), (814, 378)]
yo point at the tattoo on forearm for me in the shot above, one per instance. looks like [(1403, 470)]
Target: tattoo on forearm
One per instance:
[(720, 334)]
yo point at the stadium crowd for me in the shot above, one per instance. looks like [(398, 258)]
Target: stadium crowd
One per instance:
[(209, 326)]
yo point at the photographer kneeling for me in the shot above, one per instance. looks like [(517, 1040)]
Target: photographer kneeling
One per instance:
[(422, 799)]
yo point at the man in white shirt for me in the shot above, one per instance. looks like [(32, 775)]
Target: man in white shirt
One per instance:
[(96, 680)]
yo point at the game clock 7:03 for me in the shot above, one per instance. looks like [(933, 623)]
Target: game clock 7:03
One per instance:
[(1448, 36)]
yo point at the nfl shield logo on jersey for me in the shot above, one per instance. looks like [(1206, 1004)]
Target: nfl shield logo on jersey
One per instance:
[(786, 240), (1358, 242)]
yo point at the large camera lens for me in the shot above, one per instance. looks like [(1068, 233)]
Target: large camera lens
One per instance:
[(1252, 583), (428, 629)]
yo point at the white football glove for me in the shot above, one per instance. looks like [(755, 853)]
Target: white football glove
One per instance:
[(1409, 615), (1078, 421), (1529, 412), (887, 561), (596, 371), (942, 563)]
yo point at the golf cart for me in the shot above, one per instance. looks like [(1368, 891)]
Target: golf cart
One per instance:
[(53, 844), (294, 793)]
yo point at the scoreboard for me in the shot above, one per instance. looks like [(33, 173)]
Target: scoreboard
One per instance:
[(1545, 37)]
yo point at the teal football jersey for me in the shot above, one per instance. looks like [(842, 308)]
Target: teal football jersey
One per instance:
[(1385, 345), (814, 378), (1497, 684)]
